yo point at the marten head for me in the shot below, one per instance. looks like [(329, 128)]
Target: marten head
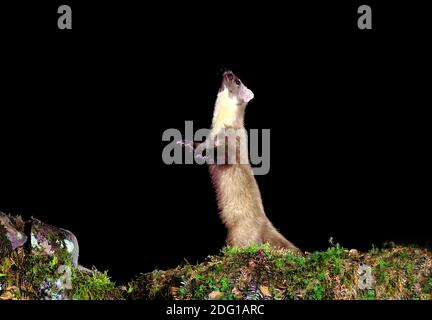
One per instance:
[(231, 102), (236, 88)]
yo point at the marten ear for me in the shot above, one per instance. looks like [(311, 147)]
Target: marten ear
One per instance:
[(246, 94)]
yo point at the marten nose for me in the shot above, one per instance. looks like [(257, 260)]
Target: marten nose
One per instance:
[(228, 75)]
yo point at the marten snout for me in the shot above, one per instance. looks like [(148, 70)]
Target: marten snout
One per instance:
[(230, 77), (231, 81)]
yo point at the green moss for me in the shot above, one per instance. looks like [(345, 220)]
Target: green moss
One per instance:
[(41, 276), (368, 294), (260, 270), (254, 272), (96, 286)]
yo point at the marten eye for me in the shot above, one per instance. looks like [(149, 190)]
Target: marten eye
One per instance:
[(237, 82)]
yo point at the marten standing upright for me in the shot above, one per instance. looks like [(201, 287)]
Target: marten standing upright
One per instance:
[(238, 195)]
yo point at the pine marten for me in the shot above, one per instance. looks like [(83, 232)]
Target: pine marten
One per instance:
[(238, 195)]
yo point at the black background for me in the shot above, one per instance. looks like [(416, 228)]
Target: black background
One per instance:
[(83, 112)]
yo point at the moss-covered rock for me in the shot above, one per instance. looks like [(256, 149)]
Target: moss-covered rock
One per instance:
[(42, 277), (45, 265)]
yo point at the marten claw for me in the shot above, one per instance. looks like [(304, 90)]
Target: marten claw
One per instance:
[(201, 157), (187, 143), (191, 146)]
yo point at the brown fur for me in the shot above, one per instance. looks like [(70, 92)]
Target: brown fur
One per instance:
[(238, 195)]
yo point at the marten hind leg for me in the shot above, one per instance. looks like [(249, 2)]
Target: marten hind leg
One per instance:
[(277, 240), (243, 238)]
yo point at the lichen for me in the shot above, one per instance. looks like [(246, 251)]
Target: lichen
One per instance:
[(69, 245)]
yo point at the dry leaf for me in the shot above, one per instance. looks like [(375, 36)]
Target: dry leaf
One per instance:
[(353, 253), (215, 295), (174, 291), (7, 296), (265, 291)]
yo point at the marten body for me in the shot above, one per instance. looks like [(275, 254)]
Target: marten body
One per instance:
[(238, 195)]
